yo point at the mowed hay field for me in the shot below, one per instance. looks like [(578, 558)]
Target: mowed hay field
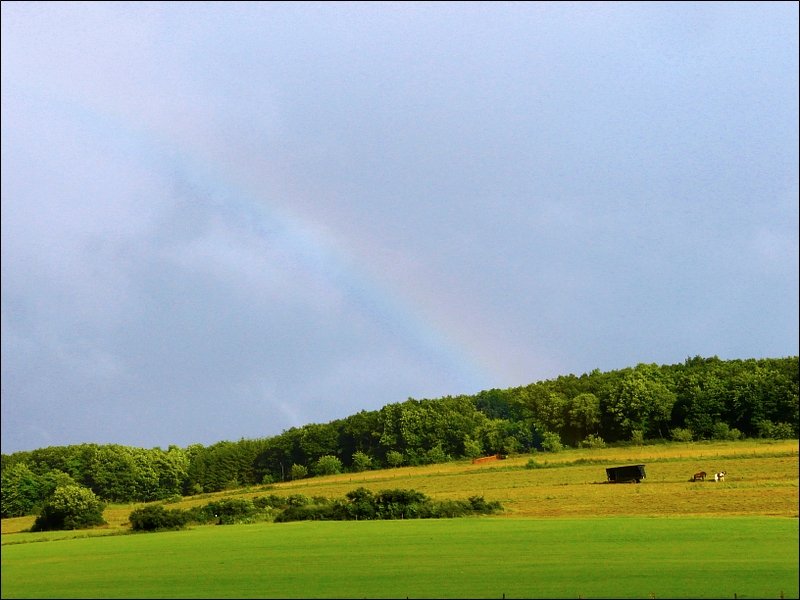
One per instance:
[(762, 479)]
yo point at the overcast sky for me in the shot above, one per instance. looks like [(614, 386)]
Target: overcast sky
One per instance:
[(223, 220)]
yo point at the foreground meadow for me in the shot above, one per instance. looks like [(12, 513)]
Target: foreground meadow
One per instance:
[(612, 557), (564, 533)]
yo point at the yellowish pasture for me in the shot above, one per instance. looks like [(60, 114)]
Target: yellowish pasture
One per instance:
[(762, 479)]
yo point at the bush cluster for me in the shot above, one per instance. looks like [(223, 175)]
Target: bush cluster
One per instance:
[(158, 518), (70, 507), (363, 504), (222, 512), (359, 504)]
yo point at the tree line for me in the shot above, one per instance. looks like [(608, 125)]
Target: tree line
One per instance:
[(701, 398)]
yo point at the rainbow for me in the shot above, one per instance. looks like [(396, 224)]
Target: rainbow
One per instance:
[(319, 252)]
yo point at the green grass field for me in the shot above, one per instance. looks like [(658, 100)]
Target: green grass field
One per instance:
[(461, 558), (562, 535)]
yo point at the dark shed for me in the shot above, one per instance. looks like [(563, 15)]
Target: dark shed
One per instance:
[(625, 474)]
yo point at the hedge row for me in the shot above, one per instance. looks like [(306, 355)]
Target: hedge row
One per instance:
[(358, 504)]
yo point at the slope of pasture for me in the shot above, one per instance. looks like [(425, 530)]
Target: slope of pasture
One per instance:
[(762, 479)]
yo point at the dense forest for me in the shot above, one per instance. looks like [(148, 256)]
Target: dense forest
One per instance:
[(702, 398)]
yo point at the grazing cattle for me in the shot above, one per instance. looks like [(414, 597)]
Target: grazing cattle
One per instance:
[(699, 476), (719, 476)]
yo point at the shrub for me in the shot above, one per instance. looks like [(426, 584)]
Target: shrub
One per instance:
[(447, 509), (534, 464), (327, 465), (235, 510), (156, 517), (361, 461), (298, 500), (680, 434), (593, 441), (637, 437), (721, 431), (312, 512), (361, 503), (271, 501), (776, 431), (70, 507), (298, 472), (436, 455), (551, 442), (479, 505), (394, 458), (472, 448), (398, 503)]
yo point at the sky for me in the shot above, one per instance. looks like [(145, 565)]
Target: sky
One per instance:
[(224, 220)]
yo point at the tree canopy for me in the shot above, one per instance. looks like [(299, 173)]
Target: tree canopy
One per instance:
[(701, 398)]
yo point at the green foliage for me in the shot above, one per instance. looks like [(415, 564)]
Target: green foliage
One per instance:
[(298, 472), (221, 512), (317, 441), (394, 458), (70, 507), (551, 442), (437, 455), (156, 518), (721, 431), (583, 411), (229, 512), (777, 431), (312, 512), (361, 461), (637, 437), (494, 403), (681, 434), (534, 464), (224, 465), (21, 491), (298, 500), (642, 401), (327, 465), (362, 504), (712, 398), (593, 441), (54, 479), (472, 448)]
